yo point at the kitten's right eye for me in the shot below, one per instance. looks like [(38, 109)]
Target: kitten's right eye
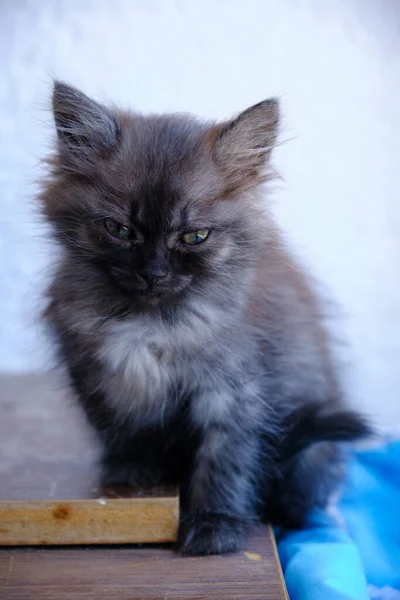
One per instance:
[(117, 231)]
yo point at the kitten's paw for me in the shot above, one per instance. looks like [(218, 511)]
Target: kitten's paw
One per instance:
[(211, 533), (129, 475)]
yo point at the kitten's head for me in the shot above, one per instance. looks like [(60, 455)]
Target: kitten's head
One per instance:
[(157, 205)]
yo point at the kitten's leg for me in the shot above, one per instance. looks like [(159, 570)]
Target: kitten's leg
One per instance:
[(221, 496), (306, 481), (152, 455), (129, 458), (131, 466)]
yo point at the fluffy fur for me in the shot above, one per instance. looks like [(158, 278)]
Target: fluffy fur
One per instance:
[(207, 365)]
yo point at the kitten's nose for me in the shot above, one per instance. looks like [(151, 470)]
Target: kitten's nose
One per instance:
[(151, 276)]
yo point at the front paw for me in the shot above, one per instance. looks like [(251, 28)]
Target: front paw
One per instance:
[(211, 533)]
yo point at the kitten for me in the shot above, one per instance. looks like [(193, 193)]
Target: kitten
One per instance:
[(192, 339)]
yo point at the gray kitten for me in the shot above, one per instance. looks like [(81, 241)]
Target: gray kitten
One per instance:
[(192, 339)]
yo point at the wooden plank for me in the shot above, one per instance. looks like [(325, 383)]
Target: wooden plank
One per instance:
[(49, 488), (136, 573), (102, 521)]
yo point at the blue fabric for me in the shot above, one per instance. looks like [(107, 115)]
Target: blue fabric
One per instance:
[(360, 560)]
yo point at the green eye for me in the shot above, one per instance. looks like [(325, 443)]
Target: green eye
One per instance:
[(117, 231), (195, 237)]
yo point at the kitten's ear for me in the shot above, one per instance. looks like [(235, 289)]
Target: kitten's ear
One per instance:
[(84, 127), (242, 147)]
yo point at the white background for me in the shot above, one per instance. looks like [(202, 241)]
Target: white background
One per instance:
[(336, 66)]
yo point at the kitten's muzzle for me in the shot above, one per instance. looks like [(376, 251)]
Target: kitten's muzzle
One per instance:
[(151, 277)]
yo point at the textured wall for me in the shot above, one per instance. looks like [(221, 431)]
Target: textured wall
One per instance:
[(336, 66)]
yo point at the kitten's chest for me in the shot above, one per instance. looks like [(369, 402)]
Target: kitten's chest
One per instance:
[(139, 353), (146, 365)]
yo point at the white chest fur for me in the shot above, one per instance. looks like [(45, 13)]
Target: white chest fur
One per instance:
[(138, 365), (146, 360)]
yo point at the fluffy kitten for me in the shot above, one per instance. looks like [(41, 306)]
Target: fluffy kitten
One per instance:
[(191, 337)]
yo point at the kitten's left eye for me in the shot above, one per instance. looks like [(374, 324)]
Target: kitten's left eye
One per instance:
[(195, 237), (117, 231)]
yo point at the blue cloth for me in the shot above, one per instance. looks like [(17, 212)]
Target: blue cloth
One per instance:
[(361, 560)]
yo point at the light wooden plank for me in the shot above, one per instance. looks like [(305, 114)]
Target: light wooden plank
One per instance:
[(101, 521)]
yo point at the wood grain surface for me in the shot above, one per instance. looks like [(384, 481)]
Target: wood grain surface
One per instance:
[(151, 573)]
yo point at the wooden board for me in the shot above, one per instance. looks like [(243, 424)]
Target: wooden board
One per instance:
[(49, 490), (136, 573), (88, 521)]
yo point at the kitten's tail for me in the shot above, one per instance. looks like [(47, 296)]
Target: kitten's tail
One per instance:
[(314, 423)]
